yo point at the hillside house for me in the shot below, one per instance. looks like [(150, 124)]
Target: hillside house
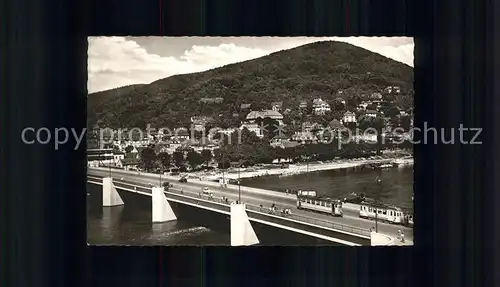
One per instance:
[(163, 132), (276, 141), (371, 113), (303, 105), (307, 126), (311, 127), (245, 107), (199, 122), (253, 127), (135, 139), (377, 103), (128, 163), (160, 149), (276, 106), (211, 100), (321, 107), (363, 105), (172, 146), (349, 117), (118, 155), (254, 116), (304, 137), (181, 134), (392, 89), (133, 144), (204, 144), (100, 157)]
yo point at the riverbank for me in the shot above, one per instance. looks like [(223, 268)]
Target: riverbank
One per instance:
[(386, 160)]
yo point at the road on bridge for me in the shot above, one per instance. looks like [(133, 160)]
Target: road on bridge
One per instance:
[(281, 200)]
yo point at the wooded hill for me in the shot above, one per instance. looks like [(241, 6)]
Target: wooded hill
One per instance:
[(314, 70)]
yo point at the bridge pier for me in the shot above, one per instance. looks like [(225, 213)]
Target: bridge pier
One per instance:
[(162, 211), (242, 233), (110, 196)]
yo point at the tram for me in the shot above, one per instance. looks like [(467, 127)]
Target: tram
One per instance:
[(371, 209), (308, 200), (408, 219)]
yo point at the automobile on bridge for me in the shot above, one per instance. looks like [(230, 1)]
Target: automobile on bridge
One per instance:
[(207, 190), (167, 185)]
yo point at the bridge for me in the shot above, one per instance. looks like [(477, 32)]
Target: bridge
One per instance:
[(241, 215)]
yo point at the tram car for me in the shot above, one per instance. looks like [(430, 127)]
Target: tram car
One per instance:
[(370, 209), (308, 200), (408, 219)]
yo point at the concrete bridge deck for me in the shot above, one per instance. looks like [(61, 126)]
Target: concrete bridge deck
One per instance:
[(290, 223)]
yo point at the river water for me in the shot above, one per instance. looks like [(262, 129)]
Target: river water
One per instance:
[(131, 224), (397, 184)]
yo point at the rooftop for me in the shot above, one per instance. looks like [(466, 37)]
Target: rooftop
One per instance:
[(264, 114)]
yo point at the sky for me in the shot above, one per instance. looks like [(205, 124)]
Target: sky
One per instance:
[(120, 61)]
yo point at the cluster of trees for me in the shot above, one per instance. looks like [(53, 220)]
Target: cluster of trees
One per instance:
[(247, 149), (149, 160)]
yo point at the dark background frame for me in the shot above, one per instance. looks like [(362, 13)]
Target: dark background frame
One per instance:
[(43, 191)]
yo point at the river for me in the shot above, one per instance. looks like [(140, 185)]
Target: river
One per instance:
[(397, 183), (131, 225)]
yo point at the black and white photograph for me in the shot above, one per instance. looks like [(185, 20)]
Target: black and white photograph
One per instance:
[(250, 141)]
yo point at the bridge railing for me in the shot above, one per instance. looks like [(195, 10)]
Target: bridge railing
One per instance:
[(216, 202), (189, 197), (319, 222)]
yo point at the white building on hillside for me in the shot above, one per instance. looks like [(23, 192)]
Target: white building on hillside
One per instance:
[(349, 117), (253, 127), (321, 107)]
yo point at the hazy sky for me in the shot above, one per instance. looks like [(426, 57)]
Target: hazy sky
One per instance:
[(119, 61)]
